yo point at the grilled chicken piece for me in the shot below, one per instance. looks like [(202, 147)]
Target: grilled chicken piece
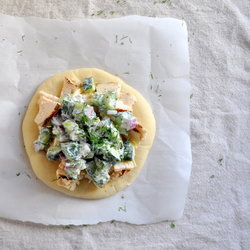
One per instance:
[(128, 99), (63, 180), (106, 87), (124, 165), (47, 108), (125, 102), (137, 134), (49, 96), (69, 87), (68, 184), (118, 174), (61, 165), (60, 172), (121, 168)]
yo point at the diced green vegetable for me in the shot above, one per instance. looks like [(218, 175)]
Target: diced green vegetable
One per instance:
[(101, 178), (98, 170), (108, 152), (70, 126), (111, 154), (43, 140), (73, 168), (90, 155), (88, 114), (97, 132), (79, 106), (102, 164), (78, 111), (97, 99), (85, 150), (68, 105), (109, 100), (106, 101), (88, 85), (71, 150), (128, 151), (124, 121), (104, 129), (73, 130), (61, 136), (78, 135), (53, 152), (90, 167)]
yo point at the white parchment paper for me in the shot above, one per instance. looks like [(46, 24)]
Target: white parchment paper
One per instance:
[(150, 54)]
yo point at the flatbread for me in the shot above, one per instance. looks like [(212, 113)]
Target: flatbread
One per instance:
[(45, 170)]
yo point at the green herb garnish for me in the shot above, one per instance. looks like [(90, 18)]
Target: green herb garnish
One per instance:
[(99, 12), (124, 208), (28, 175), (162, 1), (157, 88), (124, 37), (172, 225), (220, 161), (212, 176)]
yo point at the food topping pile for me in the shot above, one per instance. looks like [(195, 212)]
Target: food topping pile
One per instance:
[(90, 130)]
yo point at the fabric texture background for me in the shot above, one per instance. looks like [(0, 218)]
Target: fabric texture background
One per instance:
[(218, 204)]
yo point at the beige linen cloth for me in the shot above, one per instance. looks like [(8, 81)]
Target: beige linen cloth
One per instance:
[(218, 205)]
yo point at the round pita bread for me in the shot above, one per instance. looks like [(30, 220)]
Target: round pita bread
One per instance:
[(45, 170)]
